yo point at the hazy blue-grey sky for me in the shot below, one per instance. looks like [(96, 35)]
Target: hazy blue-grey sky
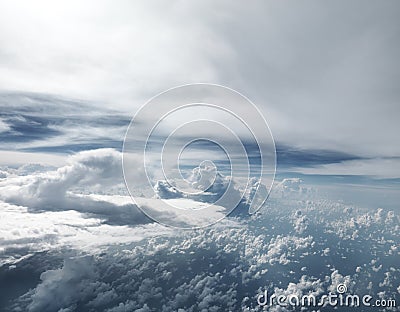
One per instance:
[(325, 74)]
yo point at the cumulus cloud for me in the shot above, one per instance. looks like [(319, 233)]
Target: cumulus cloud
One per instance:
[(210, 185), (305, 286), (339, 279), (63, 287), (164, 190), (282, 248), (290, 186), (300, 222), (96, 171), (92, 183), (209, 188), (224, 266)]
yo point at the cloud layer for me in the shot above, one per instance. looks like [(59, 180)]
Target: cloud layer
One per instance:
[(324, 79), (229, 265)]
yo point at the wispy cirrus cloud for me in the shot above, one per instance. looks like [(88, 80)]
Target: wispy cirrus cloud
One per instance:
[(46, 124)]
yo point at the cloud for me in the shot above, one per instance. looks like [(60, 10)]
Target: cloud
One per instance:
[(224, 266), (337, 279), (96, 171), (43, 128), (292, 188), (64, 61), (63, 230), (300, 222), (92, 183), (342, 75), (14, 158), (327, 83), (207, 185), (281, 249), (63, 287), (332, 90), (376, 167), (43, 123), (4, 127), (166, 191), (207, 195), (305, 286)]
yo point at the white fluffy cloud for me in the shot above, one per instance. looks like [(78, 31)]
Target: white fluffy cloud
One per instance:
[(92, 183), (61, 287), (290, 236), (281, 249), (97, 171), (209, 186), (85, 169), (224, 266)]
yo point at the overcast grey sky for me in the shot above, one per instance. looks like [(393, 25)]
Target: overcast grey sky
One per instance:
[(326, 74)]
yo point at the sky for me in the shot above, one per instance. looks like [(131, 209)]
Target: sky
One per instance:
[(324, 75)]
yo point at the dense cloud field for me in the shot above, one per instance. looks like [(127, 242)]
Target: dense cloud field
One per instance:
[(66, 247)]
